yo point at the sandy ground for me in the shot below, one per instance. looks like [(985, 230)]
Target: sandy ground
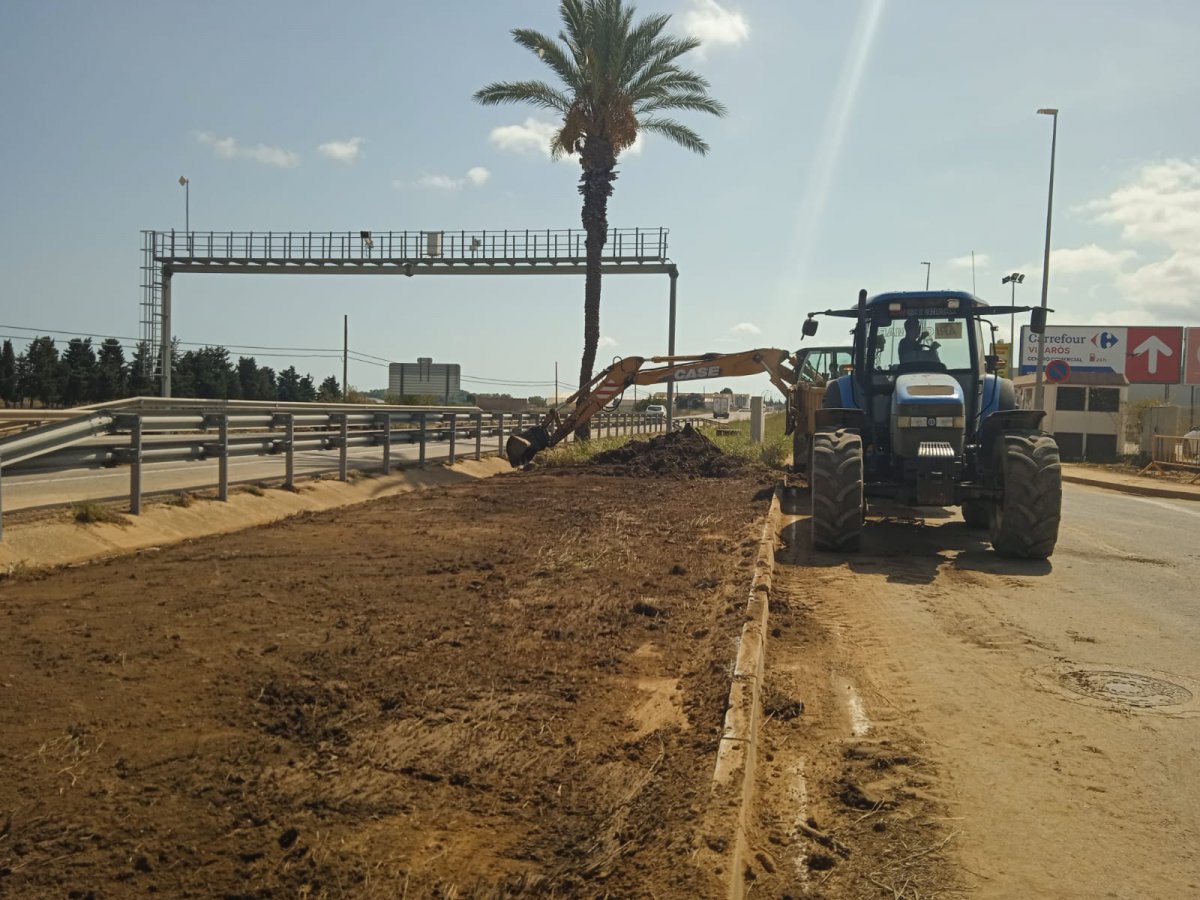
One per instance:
[(509, 687)]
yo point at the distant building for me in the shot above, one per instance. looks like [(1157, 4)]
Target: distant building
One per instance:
[(424, 378), (1085, 415)]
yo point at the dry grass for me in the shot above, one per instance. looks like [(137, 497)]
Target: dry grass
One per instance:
[(88, 512)]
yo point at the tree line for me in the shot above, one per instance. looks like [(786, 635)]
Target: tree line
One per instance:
[(83, 373)]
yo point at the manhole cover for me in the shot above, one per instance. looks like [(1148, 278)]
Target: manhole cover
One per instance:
[(1128, 688)]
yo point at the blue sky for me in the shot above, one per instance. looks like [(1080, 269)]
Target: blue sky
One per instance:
[(863, 138)]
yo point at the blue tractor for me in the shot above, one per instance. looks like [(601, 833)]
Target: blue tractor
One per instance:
[(924, 420)]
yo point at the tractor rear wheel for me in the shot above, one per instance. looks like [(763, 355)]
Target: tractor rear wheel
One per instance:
[(977, 513), (835, 475), (1024, 520)]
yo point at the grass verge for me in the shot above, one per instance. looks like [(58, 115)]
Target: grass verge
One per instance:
[(774, 451), (88, 512)]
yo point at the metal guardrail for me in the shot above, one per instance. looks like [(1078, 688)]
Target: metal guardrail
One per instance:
[(144, 430)]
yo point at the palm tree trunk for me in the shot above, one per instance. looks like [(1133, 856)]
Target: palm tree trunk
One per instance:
[(595, 184)]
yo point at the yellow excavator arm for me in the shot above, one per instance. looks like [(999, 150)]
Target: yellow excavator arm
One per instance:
[(613, 381)]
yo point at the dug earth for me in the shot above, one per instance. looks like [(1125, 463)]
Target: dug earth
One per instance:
[(511, 687)]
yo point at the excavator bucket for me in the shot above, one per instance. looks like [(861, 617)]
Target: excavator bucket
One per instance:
[(522, 448)]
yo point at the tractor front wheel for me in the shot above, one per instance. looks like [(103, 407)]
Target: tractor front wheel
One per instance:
[(977, 513), (835, 475), (1024, 519)]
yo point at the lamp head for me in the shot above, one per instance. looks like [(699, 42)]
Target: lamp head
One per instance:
[(1047, 112)]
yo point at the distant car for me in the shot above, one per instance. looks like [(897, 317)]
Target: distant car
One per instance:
[(656, 411)]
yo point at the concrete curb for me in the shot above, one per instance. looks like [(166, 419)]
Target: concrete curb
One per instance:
[(1142, 490), (733, 777)]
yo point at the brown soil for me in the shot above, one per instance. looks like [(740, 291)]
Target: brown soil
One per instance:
[(511, 687), (681, 454)]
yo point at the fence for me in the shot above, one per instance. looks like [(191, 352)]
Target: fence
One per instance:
[(1176, 452), (149, 431)]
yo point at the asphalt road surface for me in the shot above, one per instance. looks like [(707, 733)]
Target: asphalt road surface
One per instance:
[(1056, 703), (32, 489)]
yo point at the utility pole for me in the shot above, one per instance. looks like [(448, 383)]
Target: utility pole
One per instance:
[(1038, 389), (556, 384), (345, 358)]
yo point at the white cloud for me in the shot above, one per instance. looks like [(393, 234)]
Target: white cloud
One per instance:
[(1159, 206), (715, 25), (746, 328), (229, 148), (439, 182), (532, 137), (1089, 258), (477, 176), (342, 151), (966, 262), (606, 342)]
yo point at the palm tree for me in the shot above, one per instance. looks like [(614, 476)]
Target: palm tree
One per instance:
[(617, 78)]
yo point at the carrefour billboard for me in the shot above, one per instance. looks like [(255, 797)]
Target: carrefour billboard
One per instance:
[(1150, 354), (1085, 348)]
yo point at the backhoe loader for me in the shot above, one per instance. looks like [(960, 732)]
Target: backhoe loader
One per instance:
[(608, 386)]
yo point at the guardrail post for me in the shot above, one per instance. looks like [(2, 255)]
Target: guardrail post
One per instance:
[(223, 460), (387, 443), (424, 435), (478, 417), (500, 448), (135, 467), (289, 442), (342, 451), (453, 434)]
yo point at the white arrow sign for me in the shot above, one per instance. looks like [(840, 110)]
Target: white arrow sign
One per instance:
[(1153, 346)]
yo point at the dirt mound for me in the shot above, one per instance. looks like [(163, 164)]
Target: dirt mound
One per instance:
[(683, 454)]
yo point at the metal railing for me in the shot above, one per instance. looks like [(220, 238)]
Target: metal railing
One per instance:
[(148, 430), (1175, 452)]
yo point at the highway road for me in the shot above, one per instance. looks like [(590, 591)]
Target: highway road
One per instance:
[(1052, 709), (31, 489)]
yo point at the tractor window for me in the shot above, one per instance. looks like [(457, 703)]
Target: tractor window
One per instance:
[(923, 340)]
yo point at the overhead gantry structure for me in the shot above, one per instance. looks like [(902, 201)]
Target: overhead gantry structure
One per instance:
[(628, 251)]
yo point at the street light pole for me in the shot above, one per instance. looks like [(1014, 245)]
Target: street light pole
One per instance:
[(186, 184), (1039, 394), (926, 265), (1014, 279)]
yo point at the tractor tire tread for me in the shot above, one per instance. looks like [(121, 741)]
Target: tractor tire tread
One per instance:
[(836, 479), (1026, 518)]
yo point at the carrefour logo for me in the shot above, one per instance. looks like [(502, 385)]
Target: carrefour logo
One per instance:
[(1105, 339)]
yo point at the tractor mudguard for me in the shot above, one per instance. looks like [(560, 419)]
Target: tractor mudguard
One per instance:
[(1008, 420), (828, 419)]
